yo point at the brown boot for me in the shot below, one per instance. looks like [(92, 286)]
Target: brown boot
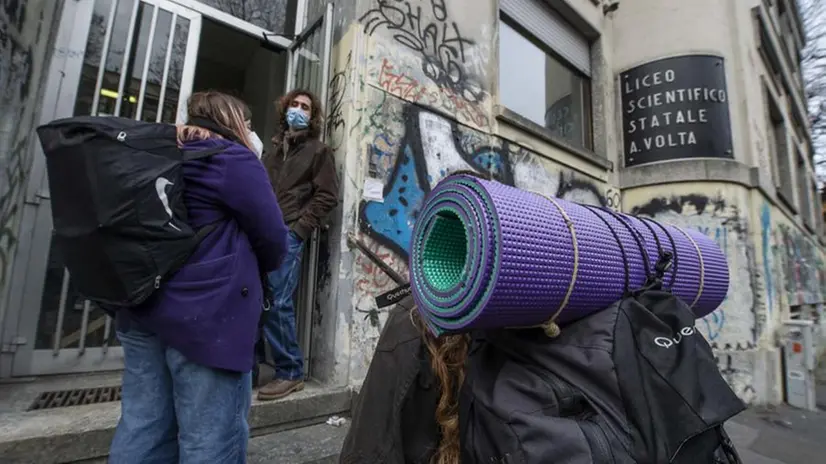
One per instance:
[(279, 388)]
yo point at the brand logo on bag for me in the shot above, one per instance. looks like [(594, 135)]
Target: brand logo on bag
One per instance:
[(393, 296), (666, 342), (160, 188)]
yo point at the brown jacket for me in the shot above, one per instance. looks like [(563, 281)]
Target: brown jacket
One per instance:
[(303, 175)]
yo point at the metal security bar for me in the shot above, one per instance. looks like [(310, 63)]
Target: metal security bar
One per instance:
[(309, 68), (146, 75)]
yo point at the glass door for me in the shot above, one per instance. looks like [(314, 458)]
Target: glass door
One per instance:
[(131, 58), (309, 68)]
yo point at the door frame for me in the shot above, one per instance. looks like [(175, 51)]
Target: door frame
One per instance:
[(309, 277), (276, 40)]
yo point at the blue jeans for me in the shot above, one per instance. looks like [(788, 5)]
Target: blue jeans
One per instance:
[(279, 322), (176, 411)]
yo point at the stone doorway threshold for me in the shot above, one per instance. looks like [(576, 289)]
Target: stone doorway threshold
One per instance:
[(83, 433)]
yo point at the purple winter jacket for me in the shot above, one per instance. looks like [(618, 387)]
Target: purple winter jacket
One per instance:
[(209, 310)]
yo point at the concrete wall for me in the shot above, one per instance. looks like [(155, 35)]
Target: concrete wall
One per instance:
[(25, 34), (413, 97), (404, 113), (775, 262)]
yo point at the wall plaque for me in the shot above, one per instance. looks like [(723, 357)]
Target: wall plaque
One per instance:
[(675, 108)]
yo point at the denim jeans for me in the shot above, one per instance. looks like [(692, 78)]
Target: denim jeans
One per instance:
[(176, 411), (279, 323)]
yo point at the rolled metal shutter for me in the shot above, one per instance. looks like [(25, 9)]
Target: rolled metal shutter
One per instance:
[(552, 29)]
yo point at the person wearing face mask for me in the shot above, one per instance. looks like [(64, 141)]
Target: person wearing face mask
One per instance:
[(257, 144), (302, 171)]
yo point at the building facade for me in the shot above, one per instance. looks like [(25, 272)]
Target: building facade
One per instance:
[(692, 113)]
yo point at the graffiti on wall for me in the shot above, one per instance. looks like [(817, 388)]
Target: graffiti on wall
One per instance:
[(426, 113), (421, 55), (430, 147), (768, 258), (337, 89), (804, 275), (16, 76), (426, 29), (733, 329), (733, 326)]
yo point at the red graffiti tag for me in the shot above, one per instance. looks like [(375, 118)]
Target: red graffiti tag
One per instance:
[(411, 89), (371, 278)]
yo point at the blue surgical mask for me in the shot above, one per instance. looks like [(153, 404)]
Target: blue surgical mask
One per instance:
[(297, 119)]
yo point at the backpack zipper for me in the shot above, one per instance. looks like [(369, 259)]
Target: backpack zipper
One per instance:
[(562, 388), (600, 440), (157, 282)]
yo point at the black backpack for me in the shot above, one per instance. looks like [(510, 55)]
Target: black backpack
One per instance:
[(634, 383), (120, 223)]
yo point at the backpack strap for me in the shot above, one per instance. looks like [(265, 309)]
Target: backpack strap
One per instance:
[(727, 447), (190, 155)]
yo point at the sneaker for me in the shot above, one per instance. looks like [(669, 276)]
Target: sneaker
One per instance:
[(279, 388)]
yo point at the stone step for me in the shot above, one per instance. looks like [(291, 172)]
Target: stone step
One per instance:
[(83, 433), (313, 444)]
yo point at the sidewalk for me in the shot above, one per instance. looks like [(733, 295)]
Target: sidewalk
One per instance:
[(782, 434)]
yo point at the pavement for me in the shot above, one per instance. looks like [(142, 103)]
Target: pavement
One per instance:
[(316, 444), (763, 435), (782, 434)]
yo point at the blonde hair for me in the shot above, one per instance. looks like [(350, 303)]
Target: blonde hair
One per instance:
[(224, 110)]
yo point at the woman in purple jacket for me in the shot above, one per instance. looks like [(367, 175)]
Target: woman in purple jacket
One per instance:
[(188, 351)]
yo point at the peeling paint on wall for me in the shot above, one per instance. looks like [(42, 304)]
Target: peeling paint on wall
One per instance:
[(424, 53), (730, 327), (736, 325), (802, 263), (766, 247), (430, 30), (424, 110), (430, 148)]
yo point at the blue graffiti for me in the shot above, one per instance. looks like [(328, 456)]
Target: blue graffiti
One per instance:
[(393, 219), (720, 236), (391, 222), (765, 230), (490, 161), (714, 323)]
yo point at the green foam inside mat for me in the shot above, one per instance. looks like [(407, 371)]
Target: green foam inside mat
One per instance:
[(444, 252)]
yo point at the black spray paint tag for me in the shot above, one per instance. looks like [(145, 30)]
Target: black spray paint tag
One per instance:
[(393, 296)]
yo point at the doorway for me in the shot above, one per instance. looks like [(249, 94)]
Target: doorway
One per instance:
[(236, 63), (239, 64), (141, 59)]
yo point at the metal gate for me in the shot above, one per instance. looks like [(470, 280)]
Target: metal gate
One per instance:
[(128, 58), (309, 68)]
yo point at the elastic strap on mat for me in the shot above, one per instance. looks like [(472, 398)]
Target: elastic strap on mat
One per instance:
[(550, 327), (653, 234), (702, 268), (594, 209), (673, 247), (637, 238), (191, 155)]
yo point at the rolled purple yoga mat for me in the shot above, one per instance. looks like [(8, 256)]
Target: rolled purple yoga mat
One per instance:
[(486, 255)]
